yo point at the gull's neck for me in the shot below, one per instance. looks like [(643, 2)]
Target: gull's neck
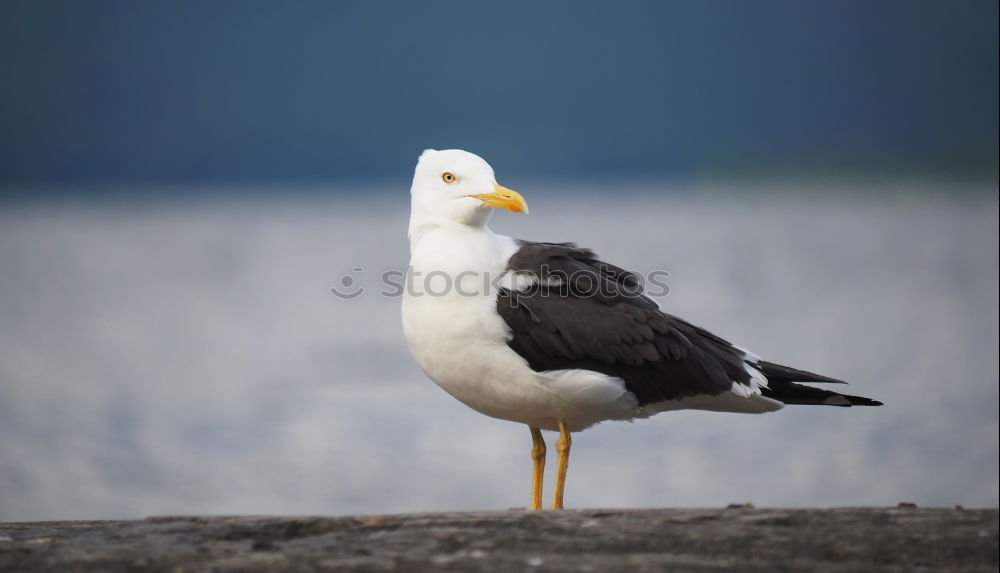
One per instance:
[(424, 220), (423, 227), (422, 223), (454, 248)]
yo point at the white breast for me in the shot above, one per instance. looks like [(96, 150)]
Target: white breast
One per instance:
[(460, 341)]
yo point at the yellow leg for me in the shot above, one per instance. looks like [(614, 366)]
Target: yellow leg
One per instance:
[(538, 457), (562, 448)]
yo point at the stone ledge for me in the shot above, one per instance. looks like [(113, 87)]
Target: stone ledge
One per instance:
[(896, 539)]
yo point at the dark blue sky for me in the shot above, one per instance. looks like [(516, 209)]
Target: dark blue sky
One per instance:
[(245, 91)]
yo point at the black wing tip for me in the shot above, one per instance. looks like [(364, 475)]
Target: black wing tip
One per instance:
[(856, 401), (836, 403), (798, 394), (859, 400), (773, 371)]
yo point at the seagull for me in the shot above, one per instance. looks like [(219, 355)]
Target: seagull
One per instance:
[(548, 335)]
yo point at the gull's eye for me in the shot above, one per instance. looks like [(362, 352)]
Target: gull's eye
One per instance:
[(448, 177)]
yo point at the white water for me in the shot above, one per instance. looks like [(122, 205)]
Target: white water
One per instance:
[(188, 357)]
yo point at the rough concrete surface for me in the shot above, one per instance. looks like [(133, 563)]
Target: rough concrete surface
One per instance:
[(743, 539)]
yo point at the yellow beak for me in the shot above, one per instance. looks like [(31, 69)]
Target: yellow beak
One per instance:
[(504, 198)]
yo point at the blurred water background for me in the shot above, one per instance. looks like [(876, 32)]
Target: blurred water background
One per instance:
[(181, 185)]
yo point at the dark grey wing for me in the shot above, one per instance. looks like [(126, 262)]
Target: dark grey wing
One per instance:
[(580, 312)]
